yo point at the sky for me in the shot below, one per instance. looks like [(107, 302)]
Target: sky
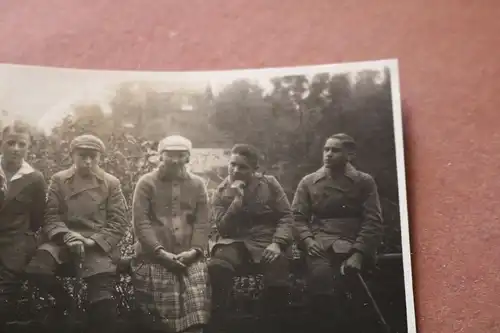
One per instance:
[(44, 95)]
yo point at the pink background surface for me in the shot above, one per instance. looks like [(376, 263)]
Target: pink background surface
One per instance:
[(449, 69)]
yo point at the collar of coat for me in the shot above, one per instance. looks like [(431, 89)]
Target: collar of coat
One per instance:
[(70, 173), (350, 172), (254, 182), (24, 170)]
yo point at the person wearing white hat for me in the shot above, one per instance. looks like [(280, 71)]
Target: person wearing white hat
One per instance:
[(170, 218)]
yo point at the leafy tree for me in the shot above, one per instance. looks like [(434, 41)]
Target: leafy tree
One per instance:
[(288, 123)]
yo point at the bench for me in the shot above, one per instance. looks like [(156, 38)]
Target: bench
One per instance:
[(247, 290)]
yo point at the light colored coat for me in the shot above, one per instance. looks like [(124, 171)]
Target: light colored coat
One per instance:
[(97, 211)]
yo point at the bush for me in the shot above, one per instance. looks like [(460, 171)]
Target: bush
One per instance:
[(289, 124)]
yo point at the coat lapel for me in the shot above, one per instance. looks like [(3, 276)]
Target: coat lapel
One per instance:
[(15, 188), (74, 189)]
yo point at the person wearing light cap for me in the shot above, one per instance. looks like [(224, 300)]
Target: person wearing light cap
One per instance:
[(170, 219), (85, 216)]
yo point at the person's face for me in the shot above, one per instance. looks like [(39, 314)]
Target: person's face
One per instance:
[(239, 169), (15, 147), (86, 160), (173, 161), (334, 154)]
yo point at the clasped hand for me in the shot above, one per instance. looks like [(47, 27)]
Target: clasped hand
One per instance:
[(271, 253), (177, 262), (352, 264), (73, 239)]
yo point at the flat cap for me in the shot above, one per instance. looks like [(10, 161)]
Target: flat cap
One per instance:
[(87, 141), (175, 143)]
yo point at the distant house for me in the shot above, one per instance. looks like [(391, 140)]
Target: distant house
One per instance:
[(206, 162)]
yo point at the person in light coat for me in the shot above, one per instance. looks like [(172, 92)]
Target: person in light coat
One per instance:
[(85, 220), (170, 218)]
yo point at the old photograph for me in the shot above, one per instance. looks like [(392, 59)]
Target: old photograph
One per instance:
[(256, 200)]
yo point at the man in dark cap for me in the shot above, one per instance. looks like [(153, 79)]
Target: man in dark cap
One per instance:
[(252, 216), (339, 222), (22, 205), (86, 216)]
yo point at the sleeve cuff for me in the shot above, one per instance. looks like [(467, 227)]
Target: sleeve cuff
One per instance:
[(358, 247), (157, 248), (58, 238), (56, 231), (102, 242), (198, 250), (281, 242), (305, 236)]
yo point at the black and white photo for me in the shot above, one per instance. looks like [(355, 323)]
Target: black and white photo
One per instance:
[(257, 200)]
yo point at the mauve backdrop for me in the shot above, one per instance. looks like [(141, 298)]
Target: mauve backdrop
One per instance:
[(449, 69)]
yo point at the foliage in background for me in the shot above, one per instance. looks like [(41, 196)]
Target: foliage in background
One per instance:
[(288, 123)]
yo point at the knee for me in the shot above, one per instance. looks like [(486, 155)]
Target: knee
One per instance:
[(218, 265)]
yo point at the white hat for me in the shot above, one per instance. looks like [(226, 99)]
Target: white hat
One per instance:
[(175, 143)]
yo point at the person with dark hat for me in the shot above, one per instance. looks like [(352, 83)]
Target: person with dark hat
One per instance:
[(22, 205), (85, 220), (338, 220), (170, 218), (252, 217)]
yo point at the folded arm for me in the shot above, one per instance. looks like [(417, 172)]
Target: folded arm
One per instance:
[(224, 215)]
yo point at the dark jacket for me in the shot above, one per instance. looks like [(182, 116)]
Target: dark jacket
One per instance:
[(21, 215), (97, 211), (265, 217), (343, 213)]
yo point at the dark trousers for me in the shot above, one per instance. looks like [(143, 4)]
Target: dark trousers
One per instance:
[(336, 300), (227, 261), (102, 311), (10, 287)]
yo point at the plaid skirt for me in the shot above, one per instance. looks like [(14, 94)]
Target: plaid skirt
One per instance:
[(172, 302)]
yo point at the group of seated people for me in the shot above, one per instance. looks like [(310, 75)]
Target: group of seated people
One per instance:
[(81, 216)]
